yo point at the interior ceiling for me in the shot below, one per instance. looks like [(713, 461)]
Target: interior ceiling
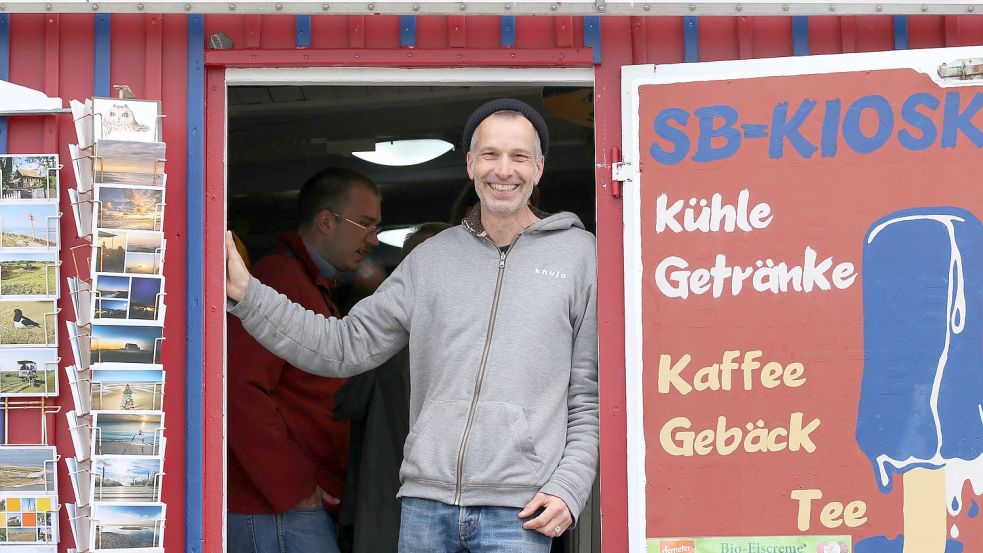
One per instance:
[(280, 135)]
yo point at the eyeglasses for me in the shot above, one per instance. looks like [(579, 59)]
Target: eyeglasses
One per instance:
[(369, 231)]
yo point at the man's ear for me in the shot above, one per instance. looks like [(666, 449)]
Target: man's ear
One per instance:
[(540, 165), (470, 165), (324, 222)]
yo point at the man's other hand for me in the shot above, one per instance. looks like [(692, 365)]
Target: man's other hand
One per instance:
[(317, 498), (236, 273), (553, 521)]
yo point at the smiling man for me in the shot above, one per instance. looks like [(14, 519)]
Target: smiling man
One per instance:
[(287, 455), (502, 448)]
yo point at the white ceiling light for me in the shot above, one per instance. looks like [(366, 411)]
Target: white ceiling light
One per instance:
[(399, 153), (396, 236)]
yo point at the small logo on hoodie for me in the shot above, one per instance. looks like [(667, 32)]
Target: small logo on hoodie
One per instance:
[(550, 273)]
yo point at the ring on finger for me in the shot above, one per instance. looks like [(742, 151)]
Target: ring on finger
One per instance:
[(557, 530)]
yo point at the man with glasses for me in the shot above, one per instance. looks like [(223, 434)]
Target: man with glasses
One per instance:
[(287, 455), (499, 314)]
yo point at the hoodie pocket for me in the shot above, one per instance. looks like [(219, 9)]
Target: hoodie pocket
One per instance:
[(500, 451), (430, 450)]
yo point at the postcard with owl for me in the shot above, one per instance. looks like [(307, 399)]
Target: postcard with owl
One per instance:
[(135, 120)]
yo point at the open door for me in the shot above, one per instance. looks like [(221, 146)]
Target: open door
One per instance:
[(804, 304)]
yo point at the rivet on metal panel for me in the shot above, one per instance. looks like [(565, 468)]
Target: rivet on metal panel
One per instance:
[(692, 7), (463, 6), (601, 7), (785, 7), (832, 8), (508, 6), (140, 7), (232, 7), (971, 8), (371, 7), (279, 7), (924, 8), (47, 7), (187, 7), (739, 7), (95, 7), (416, 7), (324, 7), (553, 7), (646, 7), (879, 8)]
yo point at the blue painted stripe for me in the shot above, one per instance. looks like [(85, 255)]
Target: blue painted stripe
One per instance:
[(407, 30), (691, 39), (800, 35), (900, 32), (4, 76), (194, 453), (100, 81), (303, 31), (507, 28), (592, 36)]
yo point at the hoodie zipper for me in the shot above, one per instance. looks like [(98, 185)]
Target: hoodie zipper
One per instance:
[(481, 368)]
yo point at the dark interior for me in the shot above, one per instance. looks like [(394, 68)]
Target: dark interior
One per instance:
[(280, 135)]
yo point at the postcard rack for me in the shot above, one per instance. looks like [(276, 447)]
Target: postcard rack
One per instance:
[(30, 270), (117, 335)]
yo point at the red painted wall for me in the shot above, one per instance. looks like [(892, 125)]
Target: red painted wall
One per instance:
[(54, 53)]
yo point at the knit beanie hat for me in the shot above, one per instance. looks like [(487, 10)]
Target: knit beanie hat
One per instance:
[(507, 104)]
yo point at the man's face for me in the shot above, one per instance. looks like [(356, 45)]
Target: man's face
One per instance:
[(503, 164), (345, 243)]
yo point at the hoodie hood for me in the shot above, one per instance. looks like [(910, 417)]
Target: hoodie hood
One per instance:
[(547, 221)]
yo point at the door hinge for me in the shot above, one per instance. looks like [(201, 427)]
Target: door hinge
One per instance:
[(964, 69), (620, 172)]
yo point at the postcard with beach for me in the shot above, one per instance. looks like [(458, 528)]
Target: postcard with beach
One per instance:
[(29, 226), (29, 274), (124, 299), (28, 322), (29, 177), (135, 120), (128, 251), (126, 208), (127, 479), (127, 433), (127, 526), (132, 163), (127, 390), (125, 345), (28, 470), (28, 372)]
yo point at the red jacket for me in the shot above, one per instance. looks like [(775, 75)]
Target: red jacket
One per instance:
[(282, 438)]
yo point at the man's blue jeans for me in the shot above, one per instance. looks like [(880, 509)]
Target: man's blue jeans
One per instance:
[(296, 531), (428, 526)]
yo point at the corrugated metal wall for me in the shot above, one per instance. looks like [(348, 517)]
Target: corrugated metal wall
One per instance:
[(78, 56)]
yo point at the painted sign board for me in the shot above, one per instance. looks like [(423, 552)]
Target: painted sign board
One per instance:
[(804, 303)]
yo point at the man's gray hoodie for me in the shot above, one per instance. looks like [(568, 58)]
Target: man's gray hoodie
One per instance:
[(503, 359)]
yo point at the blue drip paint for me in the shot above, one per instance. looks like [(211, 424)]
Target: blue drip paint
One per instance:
[(800, 35), (194, 457), (407, 31), (974, 509), (900, 32), (303, 31), (691, 39), (881, 544), (4, 76), (592, 36), (100, 79), (506, 24)]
